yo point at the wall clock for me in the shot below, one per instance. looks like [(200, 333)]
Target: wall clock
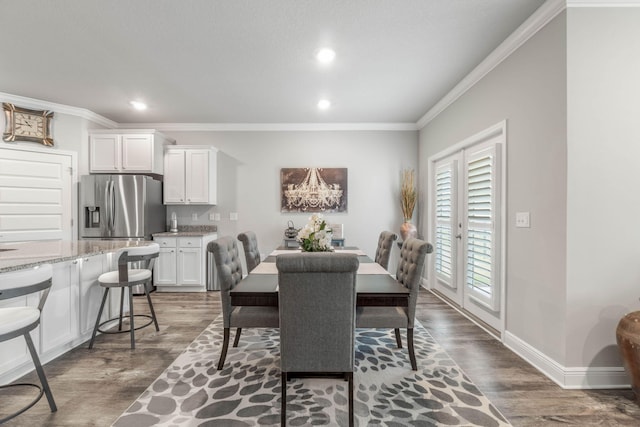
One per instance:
[(23, 124)]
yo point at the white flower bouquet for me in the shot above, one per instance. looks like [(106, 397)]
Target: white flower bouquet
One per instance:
[(315, 236)]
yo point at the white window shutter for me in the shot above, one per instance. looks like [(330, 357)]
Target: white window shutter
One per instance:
[(482, 205), (445, 222)]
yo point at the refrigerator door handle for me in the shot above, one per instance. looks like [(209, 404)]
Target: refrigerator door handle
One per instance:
[(107, 209), (112, 204)]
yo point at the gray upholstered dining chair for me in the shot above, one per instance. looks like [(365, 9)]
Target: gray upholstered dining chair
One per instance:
[(251, 252), (317, 298), (227, 262), (385, 244), (409, 273)]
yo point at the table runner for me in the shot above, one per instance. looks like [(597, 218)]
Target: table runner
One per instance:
[(363, 268)]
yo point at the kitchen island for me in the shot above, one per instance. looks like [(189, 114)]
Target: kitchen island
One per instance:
[(74, 299), (16, 256)]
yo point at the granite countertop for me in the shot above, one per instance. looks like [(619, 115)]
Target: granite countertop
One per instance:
[(189, 230), (27, 254)]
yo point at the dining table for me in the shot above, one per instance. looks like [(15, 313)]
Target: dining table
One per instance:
[(374, 285)]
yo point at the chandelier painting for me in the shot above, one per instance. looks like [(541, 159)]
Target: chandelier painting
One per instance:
[(313, 189)]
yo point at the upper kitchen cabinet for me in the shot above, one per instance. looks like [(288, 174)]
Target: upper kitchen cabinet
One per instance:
[(190, 175), (130, 151)]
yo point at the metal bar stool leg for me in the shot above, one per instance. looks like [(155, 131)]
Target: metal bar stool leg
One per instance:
[(133, 338), (153, 312), (121, 308), (40, 371), (95, 328)]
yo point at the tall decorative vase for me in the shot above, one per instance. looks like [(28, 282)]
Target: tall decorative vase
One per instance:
[(628, 337), (407, 230)]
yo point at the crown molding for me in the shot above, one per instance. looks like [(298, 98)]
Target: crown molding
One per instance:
[(541, 17), (23, 101), (601, 3), (274, 127)]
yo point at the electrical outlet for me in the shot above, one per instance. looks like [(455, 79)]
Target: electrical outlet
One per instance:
[(523, 220), (212, 217), (194, 216), (217, 216), (233, 216)]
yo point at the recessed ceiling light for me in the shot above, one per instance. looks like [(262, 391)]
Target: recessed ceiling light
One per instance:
[(325, 55), (139, 105), (324, 104)]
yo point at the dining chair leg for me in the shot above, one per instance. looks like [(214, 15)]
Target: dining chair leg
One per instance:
[(95, 328), (40, 371), (398, 337), (132, 326), (153, 312), (350, 399), (237, 340), (283, 399), (412, 355), (225, 345)]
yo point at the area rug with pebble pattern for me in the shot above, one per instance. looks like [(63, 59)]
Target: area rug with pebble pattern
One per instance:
[(246, 392)]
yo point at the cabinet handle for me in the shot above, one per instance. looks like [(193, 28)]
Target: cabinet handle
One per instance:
[(86, 260), (75, 261)]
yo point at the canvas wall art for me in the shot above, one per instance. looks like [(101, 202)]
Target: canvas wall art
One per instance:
[(313, 190)]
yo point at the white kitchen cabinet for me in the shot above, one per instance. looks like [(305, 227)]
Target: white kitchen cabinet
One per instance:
[(136, 151), (59, 321), (190, 175), (182, 263), (90, 268)]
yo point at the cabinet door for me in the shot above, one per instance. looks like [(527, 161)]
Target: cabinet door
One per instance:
[(91, 292), (189, 266), (174, 177), (137, 153), (60, 314), (197, 179), (104, 153), (164, 272)]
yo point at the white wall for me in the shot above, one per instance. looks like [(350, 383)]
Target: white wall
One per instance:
[(603, 268), (528, 89), (249, 166)]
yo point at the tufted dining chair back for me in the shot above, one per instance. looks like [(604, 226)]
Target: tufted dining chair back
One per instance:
[(385, 244), (251, 252)]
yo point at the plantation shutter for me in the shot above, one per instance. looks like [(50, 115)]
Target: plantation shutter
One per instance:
[(445, 221), (482, 189)]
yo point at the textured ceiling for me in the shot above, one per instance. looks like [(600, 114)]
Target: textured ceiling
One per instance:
[(249, 61)]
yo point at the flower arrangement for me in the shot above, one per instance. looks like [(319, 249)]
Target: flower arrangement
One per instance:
[(315, 236), (408, 194)]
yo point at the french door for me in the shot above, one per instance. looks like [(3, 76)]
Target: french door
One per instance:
[(467, 209)]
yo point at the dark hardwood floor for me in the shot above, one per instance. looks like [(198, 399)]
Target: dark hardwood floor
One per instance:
[(93, 387)]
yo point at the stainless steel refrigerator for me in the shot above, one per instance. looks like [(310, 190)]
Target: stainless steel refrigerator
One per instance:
[(120, 207)]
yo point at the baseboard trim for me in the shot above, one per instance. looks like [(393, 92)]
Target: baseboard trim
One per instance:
[(613, 377)]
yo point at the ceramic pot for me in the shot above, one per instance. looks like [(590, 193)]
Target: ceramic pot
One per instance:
[(628, 337), (407, 230)]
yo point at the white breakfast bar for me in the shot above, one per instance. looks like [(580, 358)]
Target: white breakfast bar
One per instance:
[(70, 312)]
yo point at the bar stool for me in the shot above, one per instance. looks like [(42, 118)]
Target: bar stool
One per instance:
[(127, 278), (16, 321)]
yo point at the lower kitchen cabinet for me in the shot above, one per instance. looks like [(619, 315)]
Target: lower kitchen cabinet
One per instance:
[(182, 263), (59, 320)]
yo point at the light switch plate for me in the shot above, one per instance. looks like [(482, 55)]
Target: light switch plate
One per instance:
[(194, 216), (523, 220), (212, 217), (217, 216), (233, 216)]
